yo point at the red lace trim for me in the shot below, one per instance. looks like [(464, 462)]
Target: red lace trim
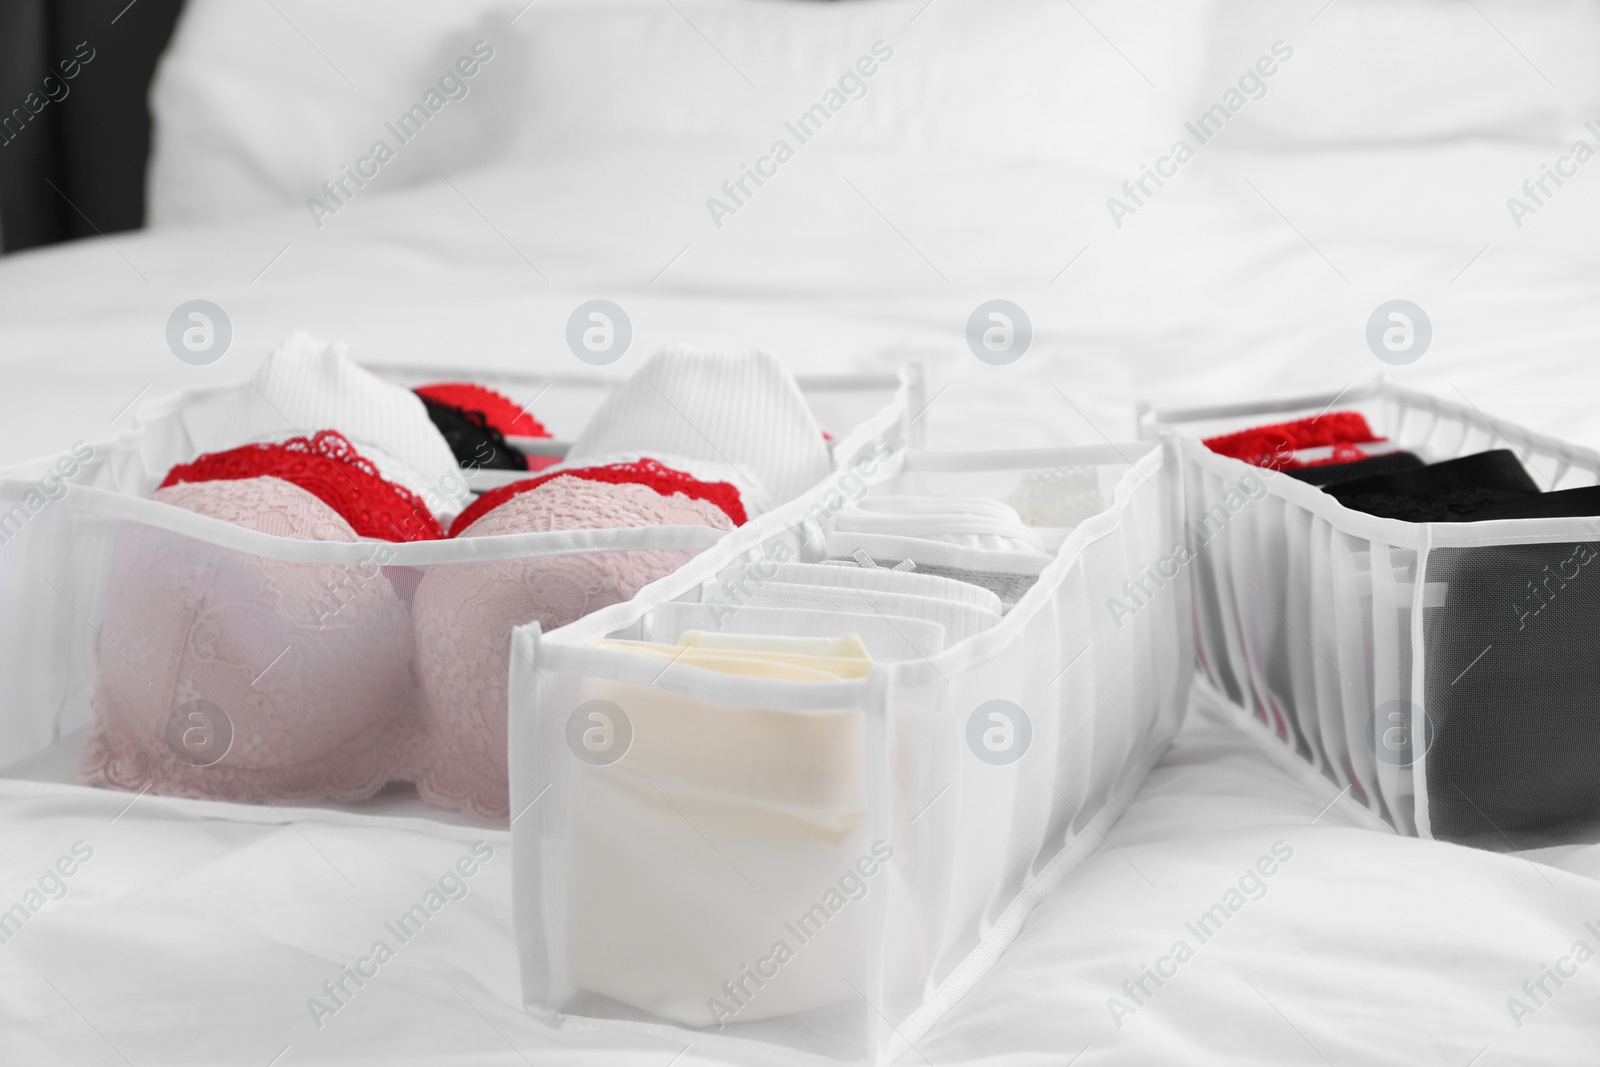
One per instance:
[(662, 479), (329, 468), (1270, 446), (497, 410)]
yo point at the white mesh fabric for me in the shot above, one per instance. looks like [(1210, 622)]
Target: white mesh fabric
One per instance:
[(960, 846)]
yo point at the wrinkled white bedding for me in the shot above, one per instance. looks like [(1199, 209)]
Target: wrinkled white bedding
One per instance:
[(194, 938)]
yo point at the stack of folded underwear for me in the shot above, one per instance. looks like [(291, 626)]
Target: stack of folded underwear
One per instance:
[(1340, 453), (652, 921), (1514, 649), (974, 540), (336, 679), (906, 576), (779, 782), (897, 614)]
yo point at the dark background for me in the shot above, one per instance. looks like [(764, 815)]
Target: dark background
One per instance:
[(92, 146)]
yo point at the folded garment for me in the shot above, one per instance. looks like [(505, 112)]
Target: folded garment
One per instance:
[(960, 621), (1008, 575), (227, 676), (1273, 446), (655, 919), (306, 385), (975, 522), (888, 638), (1058, 497), (851, 575), (742, 410), (1513, 719), (1333, 473), (464, 614), (762, 657), (1451, 491), (477, 445), (845, 646), (328, 467), (1561, 504)]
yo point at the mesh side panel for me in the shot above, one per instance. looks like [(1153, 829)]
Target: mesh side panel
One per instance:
[(1308, 626), (1210, 574), (1513, 691), (1404, 563)]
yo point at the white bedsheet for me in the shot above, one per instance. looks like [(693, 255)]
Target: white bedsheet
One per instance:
[(1208, 292), (190, 938)]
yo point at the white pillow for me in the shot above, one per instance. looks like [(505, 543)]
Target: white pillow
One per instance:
[(1380, 71), (253, 109), (257, 104), (1022, 79)]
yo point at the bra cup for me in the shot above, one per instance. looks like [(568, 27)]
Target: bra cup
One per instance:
[(308, 663), (463, 615)]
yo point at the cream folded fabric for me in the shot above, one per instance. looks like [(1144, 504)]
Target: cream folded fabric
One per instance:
[(846, 658), (888, 638)]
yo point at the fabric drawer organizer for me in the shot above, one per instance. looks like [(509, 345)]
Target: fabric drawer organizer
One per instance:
[(1447, 674), (825, 867), (58, 563)]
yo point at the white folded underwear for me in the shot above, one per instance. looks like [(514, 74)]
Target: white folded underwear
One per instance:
[(887, 639), (976, 522), (782, 792), (960, 621)]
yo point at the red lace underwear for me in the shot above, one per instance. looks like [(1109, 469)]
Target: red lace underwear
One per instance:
[(328, 467), (662, 479), (497, 410), (1270, 446)]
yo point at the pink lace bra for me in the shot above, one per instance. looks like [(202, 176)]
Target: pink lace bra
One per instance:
[(232, 676)]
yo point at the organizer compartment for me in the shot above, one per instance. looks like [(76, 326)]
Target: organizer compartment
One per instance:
[(312, 641), (825, 867), (1401, 659)]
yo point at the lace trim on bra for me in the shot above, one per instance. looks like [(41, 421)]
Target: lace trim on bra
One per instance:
[(328, 467), (1269, 446), (646, 472)]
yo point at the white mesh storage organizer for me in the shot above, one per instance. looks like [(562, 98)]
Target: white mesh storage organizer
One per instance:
[(314, 638), (1446, 673), (821, 868)]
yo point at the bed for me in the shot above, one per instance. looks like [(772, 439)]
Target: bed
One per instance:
[(193, 933)]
